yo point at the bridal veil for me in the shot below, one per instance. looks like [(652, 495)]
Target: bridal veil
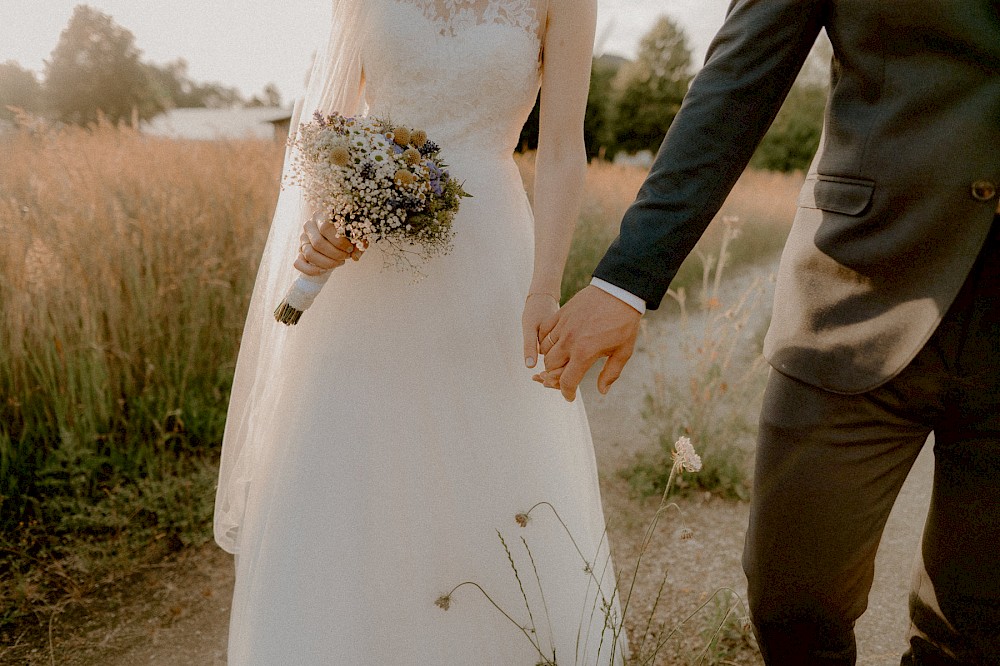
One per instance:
[(334, 84)]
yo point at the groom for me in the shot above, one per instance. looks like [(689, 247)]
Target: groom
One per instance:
[(886, 321)]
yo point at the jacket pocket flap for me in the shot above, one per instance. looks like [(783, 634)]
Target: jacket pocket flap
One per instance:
[(848, 196)]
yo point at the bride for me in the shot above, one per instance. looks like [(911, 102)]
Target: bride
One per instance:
[(376, 453)]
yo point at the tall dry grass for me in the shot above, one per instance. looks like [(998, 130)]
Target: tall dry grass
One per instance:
[(763, 201), (125, 272)]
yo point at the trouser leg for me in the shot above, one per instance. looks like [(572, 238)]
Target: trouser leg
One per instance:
[(955, 602), (828, 470)]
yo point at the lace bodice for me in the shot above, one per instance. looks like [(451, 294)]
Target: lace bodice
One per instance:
[(451, 16), (466, 71)]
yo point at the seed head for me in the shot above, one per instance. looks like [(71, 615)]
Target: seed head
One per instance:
[(402, 136), (340, 155), (412, 156), (404, 177)]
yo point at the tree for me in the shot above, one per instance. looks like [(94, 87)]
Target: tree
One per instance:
[(175, 89), (96, 68), (19, 88), (652, 87), (269, 97), (597, 124), (793, 138), (214, 96), (170, 83)]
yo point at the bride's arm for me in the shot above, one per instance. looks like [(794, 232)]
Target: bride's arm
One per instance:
[(561, 161)]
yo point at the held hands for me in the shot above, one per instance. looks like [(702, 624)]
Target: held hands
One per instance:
[(593, 324), (322, 249), (539, 306)]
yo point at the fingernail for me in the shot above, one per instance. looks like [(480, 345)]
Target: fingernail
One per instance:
[(529, 361)]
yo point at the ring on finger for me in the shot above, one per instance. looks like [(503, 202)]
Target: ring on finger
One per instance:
[(552, 343)]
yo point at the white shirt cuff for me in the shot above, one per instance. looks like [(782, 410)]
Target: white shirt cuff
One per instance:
[(619, 293)]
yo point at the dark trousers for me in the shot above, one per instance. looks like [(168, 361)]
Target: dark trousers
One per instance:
[(829, 468)]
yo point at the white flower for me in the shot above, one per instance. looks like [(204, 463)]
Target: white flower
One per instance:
[(685, 456)]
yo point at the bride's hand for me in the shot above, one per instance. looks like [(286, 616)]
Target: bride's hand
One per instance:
[(322, 249), (538, 307)]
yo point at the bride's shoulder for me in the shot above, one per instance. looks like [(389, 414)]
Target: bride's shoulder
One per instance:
[(575, 13), (566, 9)]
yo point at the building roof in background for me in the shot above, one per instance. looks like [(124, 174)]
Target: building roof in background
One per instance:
[(234, 123)]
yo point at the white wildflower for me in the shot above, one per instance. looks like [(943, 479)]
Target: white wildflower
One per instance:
[(685, 456)]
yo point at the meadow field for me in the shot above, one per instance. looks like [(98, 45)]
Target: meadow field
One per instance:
[(126, 266)]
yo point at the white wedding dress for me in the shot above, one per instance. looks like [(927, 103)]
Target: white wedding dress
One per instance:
[(399, 429)]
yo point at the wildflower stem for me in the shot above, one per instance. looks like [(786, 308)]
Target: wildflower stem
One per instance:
[(541, 593), (590, 571), (715, 634), (502, 612), (520, 585), (652, 613), (647, 537)]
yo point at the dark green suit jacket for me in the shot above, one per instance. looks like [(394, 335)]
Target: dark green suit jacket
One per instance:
[(899, 198)]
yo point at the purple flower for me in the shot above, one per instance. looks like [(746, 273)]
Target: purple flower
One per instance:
[(407, 202), (433, 170)]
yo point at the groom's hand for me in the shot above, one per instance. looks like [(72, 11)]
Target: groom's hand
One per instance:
[(592, 325)]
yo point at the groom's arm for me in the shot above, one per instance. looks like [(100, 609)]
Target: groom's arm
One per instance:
[(748, 71), (750, 67)]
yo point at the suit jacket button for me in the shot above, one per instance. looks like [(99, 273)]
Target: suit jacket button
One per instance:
[(983, 190)]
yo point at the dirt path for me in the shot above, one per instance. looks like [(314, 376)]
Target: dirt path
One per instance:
[(188, 623)]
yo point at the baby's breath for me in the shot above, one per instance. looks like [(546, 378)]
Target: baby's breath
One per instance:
[(378, 184)]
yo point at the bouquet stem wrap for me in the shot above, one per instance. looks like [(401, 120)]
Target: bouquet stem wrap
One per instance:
[(300, 296)]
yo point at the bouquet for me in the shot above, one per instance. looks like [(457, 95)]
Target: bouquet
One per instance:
[(377, 182)]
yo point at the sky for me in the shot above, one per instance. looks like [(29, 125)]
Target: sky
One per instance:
[(249, 43)]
